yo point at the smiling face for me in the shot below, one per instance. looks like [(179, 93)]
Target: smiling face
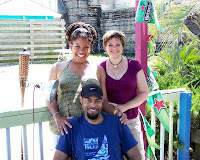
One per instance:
[(92, 107), (114, 48), (81, 48)]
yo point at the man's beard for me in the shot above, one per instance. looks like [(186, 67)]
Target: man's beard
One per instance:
[(92, 116)]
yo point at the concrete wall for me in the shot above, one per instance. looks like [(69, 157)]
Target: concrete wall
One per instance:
[(90, 11)]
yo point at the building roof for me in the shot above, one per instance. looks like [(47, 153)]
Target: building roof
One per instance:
[(26, 8)]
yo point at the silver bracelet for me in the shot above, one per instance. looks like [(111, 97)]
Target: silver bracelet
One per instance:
[(55, 114)]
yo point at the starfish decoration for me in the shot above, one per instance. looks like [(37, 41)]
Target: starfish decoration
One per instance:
[(159, 105), (149, 38), (142, 8), (151, 157)]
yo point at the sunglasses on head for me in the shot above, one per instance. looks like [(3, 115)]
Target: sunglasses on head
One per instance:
[(81, 32)]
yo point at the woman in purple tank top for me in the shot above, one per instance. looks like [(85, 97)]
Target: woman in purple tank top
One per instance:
[(126, 84)]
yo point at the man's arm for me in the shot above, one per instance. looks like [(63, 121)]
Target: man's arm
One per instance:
[(60, 155), (129, 144), (133, 154), (64, 146)]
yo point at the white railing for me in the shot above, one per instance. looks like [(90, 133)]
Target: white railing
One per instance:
[(25, 117), (183, 99)]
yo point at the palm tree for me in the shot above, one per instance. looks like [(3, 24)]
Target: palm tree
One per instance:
[(175, 18)]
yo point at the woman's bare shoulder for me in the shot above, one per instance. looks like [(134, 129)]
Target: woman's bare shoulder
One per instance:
[(100, 68), (100, 71), (60, 65), (57, 69)]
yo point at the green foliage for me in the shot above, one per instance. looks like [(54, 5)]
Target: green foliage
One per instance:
[(178, 69), (176, 57), (172, 16), (189, 54), (177, 143), (185, 76)]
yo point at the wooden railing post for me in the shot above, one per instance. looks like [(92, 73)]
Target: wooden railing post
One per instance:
[(24, 143), (8, 147), (141, 34), (171, 121), (41, 141), (184, 125)]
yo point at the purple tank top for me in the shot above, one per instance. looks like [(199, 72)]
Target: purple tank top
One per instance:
[(123, 90)]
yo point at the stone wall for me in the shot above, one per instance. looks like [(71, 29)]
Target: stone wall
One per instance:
[(123, 20), (118, 19), (80, 10)]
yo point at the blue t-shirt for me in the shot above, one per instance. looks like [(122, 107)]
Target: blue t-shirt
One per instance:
[(108, 140)]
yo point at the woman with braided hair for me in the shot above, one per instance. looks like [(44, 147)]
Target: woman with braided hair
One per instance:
[(73, 75)]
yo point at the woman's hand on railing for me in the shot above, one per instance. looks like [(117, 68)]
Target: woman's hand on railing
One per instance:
[(61, 123)]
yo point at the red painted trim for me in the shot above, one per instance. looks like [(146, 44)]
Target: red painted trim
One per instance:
[(141, 37)]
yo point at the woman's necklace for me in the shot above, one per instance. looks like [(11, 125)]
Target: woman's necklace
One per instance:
[(115, 65)]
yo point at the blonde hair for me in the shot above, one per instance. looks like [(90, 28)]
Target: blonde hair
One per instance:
[(114, 34)]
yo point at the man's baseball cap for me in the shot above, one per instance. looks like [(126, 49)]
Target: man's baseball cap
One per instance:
[(92, 90)]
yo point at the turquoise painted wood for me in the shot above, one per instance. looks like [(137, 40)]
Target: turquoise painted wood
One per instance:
[(22, 118), (25, 17), (185, 123)]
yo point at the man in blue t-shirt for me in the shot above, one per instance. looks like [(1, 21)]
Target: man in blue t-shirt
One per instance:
[(96, 135)]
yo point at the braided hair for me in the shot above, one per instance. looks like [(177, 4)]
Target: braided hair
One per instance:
[(77, 25)]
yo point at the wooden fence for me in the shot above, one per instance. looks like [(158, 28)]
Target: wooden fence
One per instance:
[(41, 37)]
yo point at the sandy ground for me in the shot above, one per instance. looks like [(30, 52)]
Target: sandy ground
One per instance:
[(10, 88), (11, 100)]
